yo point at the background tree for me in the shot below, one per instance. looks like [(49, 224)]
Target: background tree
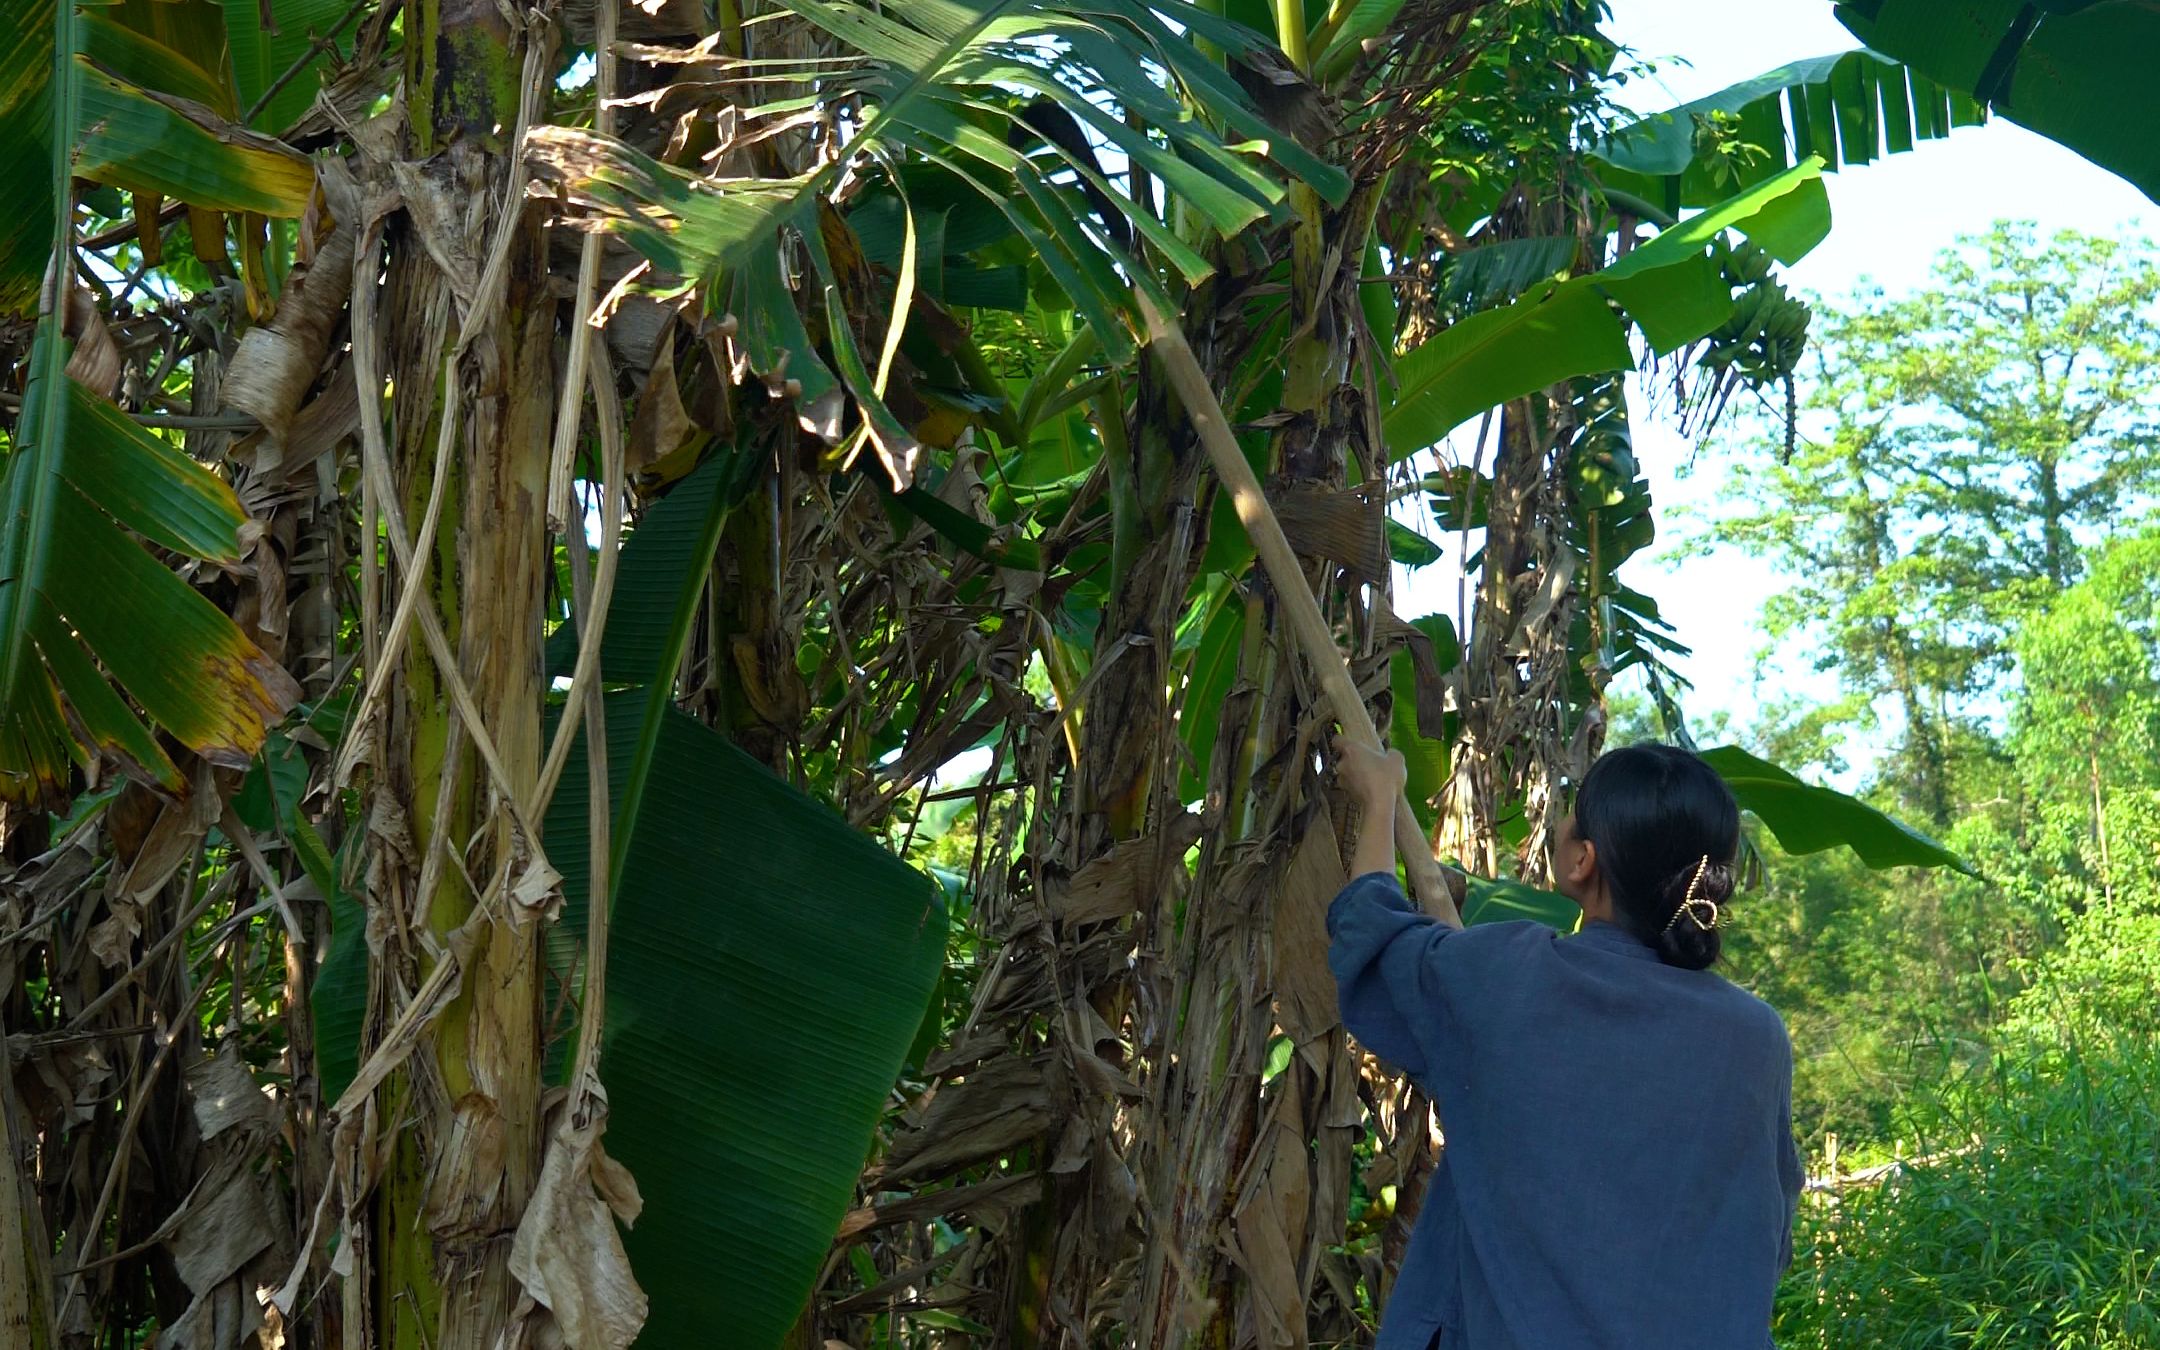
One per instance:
[(1963, 445)]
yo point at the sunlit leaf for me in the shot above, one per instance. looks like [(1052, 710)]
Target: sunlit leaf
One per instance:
[(1669, 287), (1806, 818)]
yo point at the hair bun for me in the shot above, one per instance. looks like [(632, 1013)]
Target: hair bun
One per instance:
[(1696, 897)]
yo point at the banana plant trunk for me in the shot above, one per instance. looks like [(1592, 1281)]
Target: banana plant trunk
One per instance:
[(463, 1110)]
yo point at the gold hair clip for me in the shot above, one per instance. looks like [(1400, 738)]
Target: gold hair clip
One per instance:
[(1692, 905)]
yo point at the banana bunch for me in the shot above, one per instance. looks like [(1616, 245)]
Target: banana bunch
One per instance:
[(1761, 341)]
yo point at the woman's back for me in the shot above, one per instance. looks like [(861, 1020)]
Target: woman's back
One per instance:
[(1619, 1168)]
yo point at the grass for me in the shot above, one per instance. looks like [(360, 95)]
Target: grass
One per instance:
[(2044, 1234)]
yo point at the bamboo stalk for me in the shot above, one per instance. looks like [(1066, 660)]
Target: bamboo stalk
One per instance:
[(1428, 882)]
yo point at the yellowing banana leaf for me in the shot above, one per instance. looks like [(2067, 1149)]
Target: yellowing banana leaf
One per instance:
[(77, 590), (151, 142), (1669, 288), (148, 105), (73, 584)]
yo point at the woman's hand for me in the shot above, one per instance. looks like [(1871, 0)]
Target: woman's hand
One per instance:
[(1373, 776)]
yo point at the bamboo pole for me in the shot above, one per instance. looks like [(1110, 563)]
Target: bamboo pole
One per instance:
[(1428, 882)]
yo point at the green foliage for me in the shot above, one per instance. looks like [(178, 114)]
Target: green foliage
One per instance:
[(2074, 72), (939, 82), (767, 968), (1846, 108), (2038, 1223), (1962, 443), (2044, 1232), (1670, 288)]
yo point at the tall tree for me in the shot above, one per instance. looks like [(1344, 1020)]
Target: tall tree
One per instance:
[(1961, 445)]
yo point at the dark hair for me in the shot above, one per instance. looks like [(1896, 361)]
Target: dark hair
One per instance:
[(1654, 813)]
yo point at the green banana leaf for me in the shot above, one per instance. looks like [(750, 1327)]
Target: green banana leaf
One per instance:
[(670, 549), (1803, 817), (768, 967), (1212, 676), (1847, 108), (931, 80), (1492, 901), (1670, 288), (2076, 71), (1806, 818), (1496, 273), (260, 55), (1426, 750)]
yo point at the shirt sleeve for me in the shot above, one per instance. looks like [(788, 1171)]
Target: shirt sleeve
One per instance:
[(1380, 949)]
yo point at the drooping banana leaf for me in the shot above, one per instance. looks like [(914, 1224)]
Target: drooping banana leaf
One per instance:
[(77, 590), (939, 82), (1846, 108), (1806, 818), (1670, 288), (768, 967), (2079, 72), (1426, 750)]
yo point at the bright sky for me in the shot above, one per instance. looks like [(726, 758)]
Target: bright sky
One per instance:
[(1890, 220)]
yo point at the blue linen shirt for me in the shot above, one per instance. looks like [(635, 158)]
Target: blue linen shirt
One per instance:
[(1619, 1170)]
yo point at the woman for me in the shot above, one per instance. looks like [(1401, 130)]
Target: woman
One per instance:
[(1619, 1169)]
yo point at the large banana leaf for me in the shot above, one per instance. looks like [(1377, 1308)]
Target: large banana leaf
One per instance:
[(81, 479), (750, 1039), (261, 55), (1670, 288), (1847, 108), (767, 969), (938, 82), (2076, 71), (1806, 818)]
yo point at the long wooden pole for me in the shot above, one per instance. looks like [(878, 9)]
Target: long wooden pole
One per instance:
[(1428, 882)]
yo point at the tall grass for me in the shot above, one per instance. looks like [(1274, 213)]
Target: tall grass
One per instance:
[(2043, 1230)]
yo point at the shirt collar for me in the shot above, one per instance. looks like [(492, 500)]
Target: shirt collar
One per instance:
[(1611, 937)]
